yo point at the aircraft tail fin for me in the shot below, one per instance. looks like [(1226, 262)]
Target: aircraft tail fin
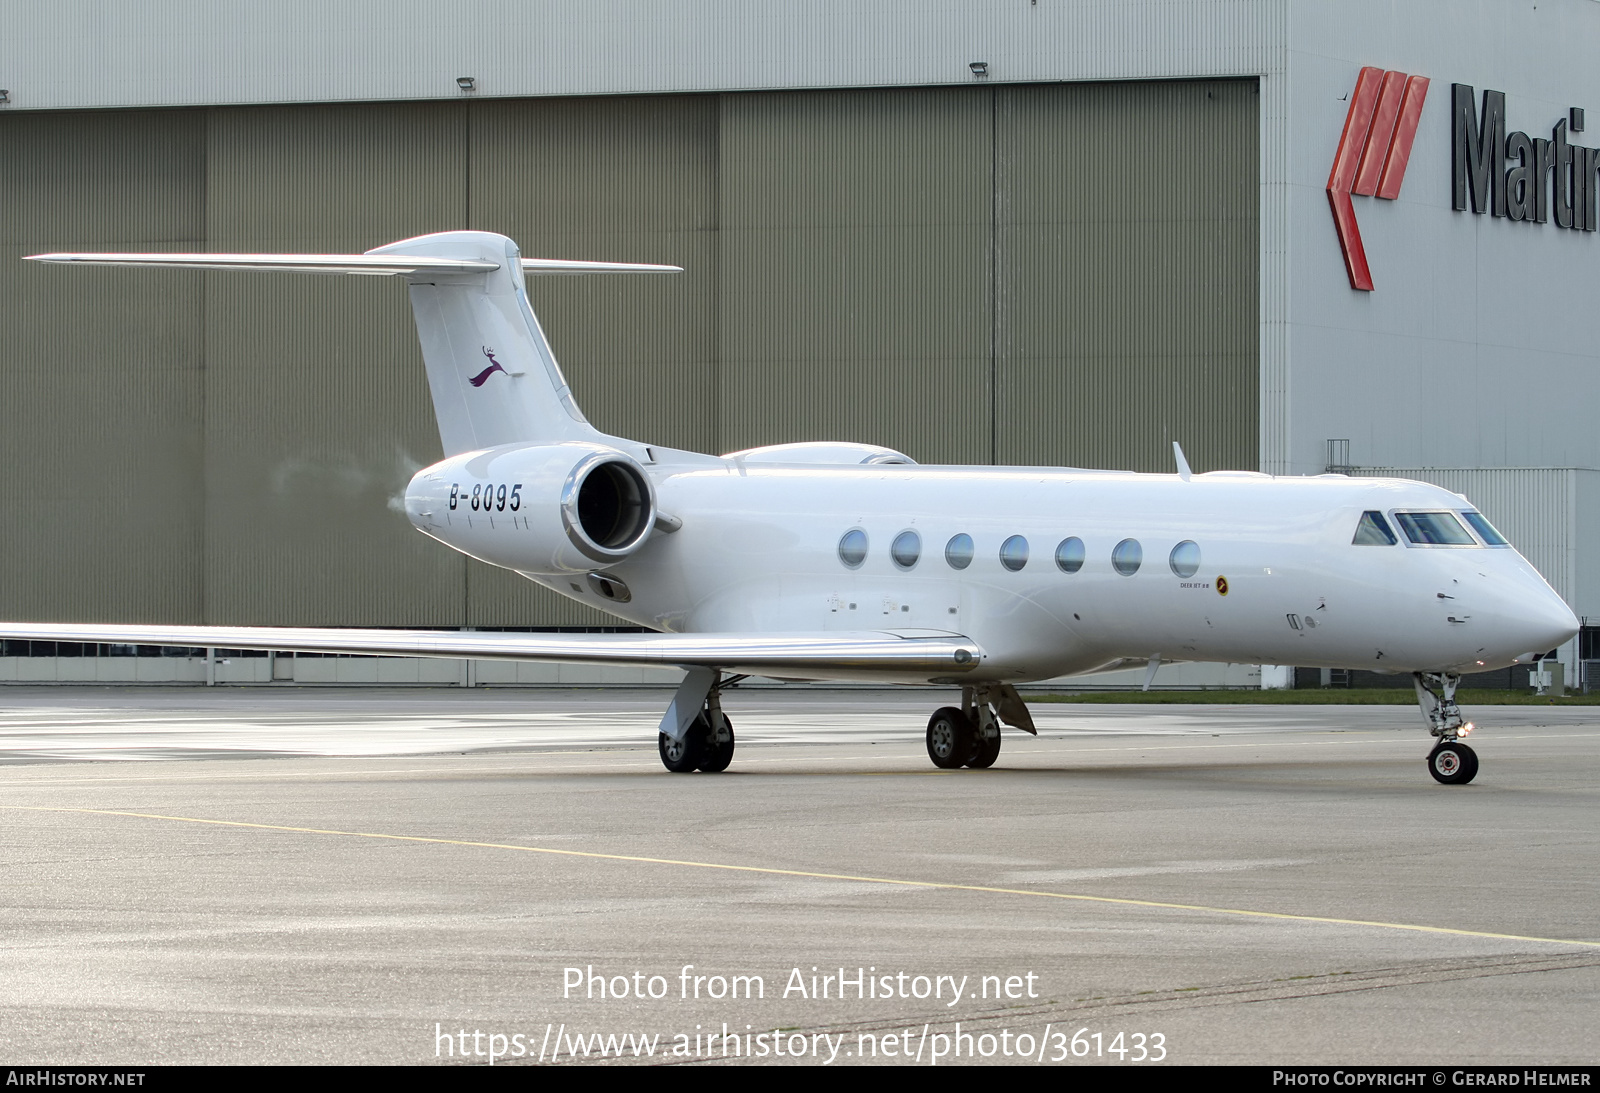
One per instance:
[(492, 374)]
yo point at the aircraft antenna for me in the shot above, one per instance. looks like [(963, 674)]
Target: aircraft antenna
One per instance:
[(1183, 464)]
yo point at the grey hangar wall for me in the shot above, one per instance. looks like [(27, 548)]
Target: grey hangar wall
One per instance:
[(1057, 274)]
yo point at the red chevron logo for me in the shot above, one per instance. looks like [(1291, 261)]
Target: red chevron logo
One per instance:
[(1373, 152)]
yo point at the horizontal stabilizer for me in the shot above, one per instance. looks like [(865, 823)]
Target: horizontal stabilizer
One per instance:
[(492, 374), (372, 265), (780, 654), (376, 265)]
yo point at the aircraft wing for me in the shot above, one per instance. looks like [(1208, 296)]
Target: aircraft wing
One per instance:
[(933, 653)]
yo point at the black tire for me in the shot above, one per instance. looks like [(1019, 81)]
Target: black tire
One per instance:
[(986, 749), (1453, 764), (950, 738), (719, 753), (683, 756)]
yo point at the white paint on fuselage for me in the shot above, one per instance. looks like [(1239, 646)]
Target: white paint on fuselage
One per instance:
[(758, 552)]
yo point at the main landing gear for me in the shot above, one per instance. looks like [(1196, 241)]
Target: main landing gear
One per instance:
[(707, 742), (969, 735), (1450, 762)]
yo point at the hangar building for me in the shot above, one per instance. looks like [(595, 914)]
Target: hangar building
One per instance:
[(1294, 235)]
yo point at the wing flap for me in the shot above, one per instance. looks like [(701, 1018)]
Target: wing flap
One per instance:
[(823, 652)]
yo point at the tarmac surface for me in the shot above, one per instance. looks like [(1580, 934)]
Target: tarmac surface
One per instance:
[(414, 876)]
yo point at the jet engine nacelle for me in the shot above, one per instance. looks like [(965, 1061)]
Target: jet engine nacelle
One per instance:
[(552, 508)]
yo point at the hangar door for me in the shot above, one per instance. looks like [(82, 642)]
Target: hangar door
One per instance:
[(1061, 274)]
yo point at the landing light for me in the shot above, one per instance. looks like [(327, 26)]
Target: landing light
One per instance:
[(1465, 730)]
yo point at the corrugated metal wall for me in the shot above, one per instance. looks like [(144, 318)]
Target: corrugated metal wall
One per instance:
[(856, 269), (1125, 274), (101, 375), (90, 54), (618, 179), (1039, 273), (316, 414)]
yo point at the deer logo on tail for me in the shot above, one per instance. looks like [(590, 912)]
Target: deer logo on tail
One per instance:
[(494, 366)]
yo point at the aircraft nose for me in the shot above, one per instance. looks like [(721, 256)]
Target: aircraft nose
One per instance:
[(1539, 620)]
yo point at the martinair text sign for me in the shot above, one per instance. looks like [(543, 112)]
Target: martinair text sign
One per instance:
[(1511, 175)]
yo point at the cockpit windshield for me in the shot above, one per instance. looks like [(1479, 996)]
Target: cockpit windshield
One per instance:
[(1373, 531), (1485, 530), (1434, 529)]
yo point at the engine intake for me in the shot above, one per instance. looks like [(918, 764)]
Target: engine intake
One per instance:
[(607, 506)]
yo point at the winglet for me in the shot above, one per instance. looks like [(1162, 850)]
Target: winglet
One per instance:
[(1183, 464)]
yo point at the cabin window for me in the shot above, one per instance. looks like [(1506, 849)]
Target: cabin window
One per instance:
[(1127, 557), (853, 548), (1373, 531), (1434, 529), (1014, 553), (906, 549), (1485, 530), (1185, 559), (1069, 555), (958, 551)]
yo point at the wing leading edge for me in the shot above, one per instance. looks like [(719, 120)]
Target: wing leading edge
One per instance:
[(800, 654)]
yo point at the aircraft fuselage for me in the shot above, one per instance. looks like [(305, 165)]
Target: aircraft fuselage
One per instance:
[(1270, 573)]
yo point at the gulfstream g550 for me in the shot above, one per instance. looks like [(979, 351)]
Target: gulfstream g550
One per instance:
[(850, 561)]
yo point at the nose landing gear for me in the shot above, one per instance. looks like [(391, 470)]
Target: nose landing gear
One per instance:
[(1451, 762), (1454, 764)]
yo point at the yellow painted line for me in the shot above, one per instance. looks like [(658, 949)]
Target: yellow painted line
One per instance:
[(774, 872)]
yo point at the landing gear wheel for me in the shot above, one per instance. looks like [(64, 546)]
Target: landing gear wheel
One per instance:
[(683, 756), (1453, 763), (950, 738), (718, 753), (985, 751)]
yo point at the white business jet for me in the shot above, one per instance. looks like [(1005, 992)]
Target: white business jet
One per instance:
[(850, 561)]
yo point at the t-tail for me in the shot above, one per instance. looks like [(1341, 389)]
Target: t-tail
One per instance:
[(492, 374)]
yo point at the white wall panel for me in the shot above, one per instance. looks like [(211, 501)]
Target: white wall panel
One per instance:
[(1477, 346), (103, 53)]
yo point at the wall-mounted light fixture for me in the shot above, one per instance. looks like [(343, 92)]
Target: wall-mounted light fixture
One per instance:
[(5, 96), (979, 68), (466, 83)]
